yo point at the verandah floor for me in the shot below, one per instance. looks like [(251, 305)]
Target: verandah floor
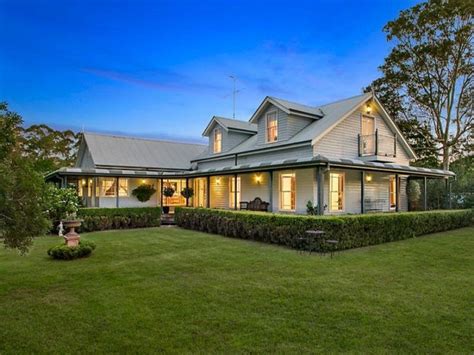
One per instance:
[(167, 289)]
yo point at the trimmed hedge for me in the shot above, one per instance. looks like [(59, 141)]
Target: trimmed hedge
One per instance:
[(98, 219), (352, 231), (63, 252)]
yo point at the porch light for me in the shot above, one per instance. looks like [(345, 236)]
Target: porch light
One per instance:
[(90, 181), (258, 178), (368, 178), (368, 108), (143, 181)]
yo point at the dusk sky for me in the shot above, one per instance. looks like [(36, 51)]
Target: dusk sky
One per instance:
[(161, 68)]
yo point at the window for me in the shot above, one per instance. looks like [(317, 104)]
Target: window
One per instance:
[(200, 196), (123, 187), (107, 187), (336, 192), (232, 192), (272, 127), (217, 140), (287, 192), (393, 192)]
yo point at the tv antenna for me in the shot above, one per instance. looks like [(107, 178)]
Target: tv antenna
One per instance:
[(234, 92)]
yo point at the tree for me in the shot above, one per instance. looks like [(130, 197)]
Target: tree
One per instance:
[(22, 199), (49, 149), (431, 66)]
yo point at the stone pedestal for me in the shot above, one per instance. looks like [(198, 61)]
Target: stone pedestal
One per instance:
[(72, 239)]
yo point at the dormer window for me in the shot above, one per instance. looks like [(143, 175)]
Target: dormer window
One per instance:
[(272, 127), (217, 140)]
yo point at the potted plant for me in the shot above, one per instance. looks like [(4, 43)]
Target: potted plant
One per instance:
[(168, 192), (187, 193), (143, 192)]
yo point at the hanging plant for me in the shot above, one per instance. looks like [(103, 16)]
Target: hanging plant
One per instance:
[(187, 192), (168, 191), (143, 192)]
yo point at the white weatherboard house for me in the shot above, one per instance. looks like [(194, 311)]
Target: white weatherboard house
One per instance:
[(345, 157)]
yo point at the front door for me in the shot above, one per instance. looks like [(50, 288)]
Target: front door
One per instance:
[(368, 135)]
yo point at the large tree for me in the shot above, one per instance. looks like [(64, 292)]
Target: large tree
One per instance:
[(49, 149), (431, 67), (22, 189)]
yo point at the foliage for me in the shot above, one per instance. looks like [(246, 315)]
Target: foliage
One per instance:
[(351, 231), (94, 219), (49, 149), (187, 192), (431, 66), (63, 252), (62, 203), (168, 191), (22, 189), (413, 194), (144, 192), (311, 208)]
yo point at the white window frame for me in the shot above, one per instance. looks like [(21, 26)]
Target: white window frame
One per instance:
[(231, 191), (104, 185), (343, 192), (280, 192), (217, 130), (124, 187), (394, 192), (266, 126)]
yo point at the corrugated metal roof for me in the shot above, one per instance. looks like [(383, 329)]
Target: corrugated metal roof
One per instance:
[(276, 164), (294, 106), (128, 152)]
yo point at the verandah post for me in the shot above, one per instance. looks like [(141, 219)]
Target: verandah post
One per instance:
[(235, 191), (362, 192), (425, 194), (320, 184), (208, 190), (187, 186), (270, 186), (117, 192), (397, 189)]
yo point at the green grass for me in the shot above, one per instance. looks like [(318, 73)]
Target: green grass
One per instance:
[(172, 290)]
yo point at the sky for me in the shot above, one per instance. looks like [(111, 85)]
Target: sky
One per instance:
[(161, 68)]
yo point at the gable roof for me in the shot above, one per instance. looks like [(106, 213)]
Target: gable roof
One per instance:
[(330, 115), (230, 124), (289, 107), (129, 152)]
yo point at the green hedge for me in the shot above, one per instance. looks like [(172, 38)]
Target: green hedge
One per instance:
[(97, 219), (352, 231)]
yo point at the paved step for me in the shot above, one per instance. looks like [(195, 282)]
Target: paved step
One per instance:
[(167, 219)]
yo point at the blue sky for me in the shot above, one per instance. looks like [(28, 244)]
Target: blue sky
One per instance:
[(161, 68)]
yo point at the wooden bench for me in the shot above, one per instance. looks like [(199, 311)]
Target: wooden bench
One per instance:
[(255, 205)]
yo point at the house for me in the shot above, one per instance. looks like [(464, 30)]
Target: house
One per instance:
[(345, 157)]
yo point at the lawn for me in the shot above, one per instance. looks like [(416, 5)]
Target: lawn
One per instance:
[(173, 290)]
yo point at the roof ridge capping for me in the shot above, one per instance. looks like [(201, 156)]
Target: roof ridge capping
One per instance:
[(112, 135)]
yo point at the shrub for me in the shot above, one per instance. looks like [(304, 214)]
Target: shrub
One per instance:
[(62, 203), (351, 231), (63, 252), (97, 219), (143, 192), (187, 192)]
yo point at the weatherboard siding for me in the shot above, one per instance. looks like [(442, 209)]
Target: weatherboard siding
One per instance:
[(230, 139), (342, 140)]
